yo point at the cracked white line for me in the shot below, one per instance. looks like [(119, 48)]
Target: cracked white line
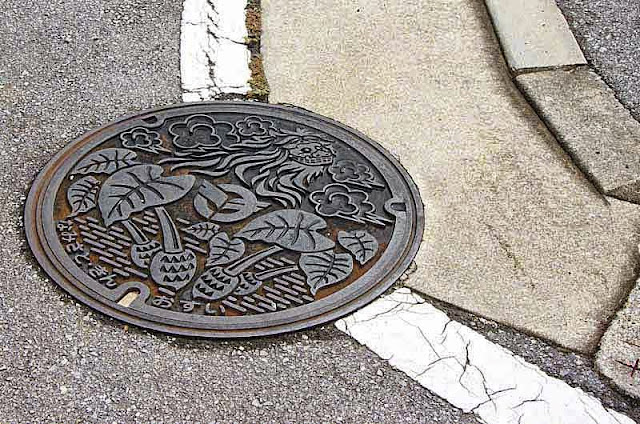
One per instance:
[(466, 369), (214, 58)]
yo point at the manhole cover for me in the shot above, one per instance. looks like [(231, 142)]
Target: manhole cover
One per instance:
[(224, 219)]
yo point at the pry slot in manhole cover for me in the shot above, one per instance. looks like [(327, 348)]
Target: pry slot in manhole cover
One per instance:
[(224, 219)]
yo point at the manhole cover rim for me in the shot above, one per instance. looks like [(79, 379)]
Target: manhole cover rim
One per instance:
[(63, 276)]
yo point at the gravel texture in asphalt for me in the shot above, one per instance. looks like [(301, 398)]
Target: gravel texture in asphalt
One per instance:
[(608, 32), (70, 66)]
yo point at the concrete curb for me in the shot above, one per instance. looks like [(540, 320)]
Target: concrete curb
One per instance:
[(583, 113), (593, 127), (534, 34)]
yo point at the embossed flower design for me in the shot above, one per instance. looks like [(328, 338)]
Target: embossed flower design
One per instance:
[(350, 172), (339, 200), (141, 138), (201, 132), (254, 126)]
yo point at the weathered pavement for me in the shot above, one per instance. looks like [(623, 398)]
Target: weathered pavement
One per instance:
[(69, 66), (609, 34), (79, 65)]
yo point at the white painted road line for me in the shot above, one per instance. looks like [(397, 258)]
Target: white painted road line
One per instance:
[(214, 58), (466, 369)]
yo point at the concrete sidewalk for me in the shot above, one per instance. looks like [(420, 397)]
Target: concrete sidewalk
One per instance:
[(514, 231)]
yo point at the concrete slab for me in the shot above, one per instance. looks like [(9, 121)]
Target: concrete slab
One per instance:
[(598, 132), (534, 34), (619, 354), (514, 231)]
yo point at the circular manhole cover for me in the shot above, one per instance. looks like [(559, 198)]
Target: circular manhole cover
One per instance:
[(224, 219)]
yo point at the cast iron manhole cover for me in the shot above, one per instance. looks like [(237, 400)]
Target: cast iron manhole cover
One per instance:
[(224, 219)]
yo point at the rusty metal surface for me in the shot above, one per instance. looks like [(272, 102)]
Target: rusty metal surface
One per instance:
[(224, 219)]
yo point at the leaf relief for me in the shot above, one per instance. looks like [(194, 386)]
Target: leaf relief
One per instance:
[(106, 161), (325, 268), (83, 194), (202, 231), (362, 245), (291, 229), (222, 250), (138, 188)]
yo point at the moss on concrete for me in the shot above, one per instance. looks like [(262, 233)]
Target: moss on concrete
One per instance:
[(258, 80)]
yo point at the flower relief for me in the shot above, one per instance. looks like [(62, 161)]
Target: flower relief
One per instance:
[(351, 172), (202, 133), (338, 200), (253, 126), (141, 138)]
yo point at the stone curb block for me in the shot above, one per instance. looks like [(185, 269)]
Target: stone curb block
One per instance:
[(534, 34), (620, 347), (578, 107), (591, 125)]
